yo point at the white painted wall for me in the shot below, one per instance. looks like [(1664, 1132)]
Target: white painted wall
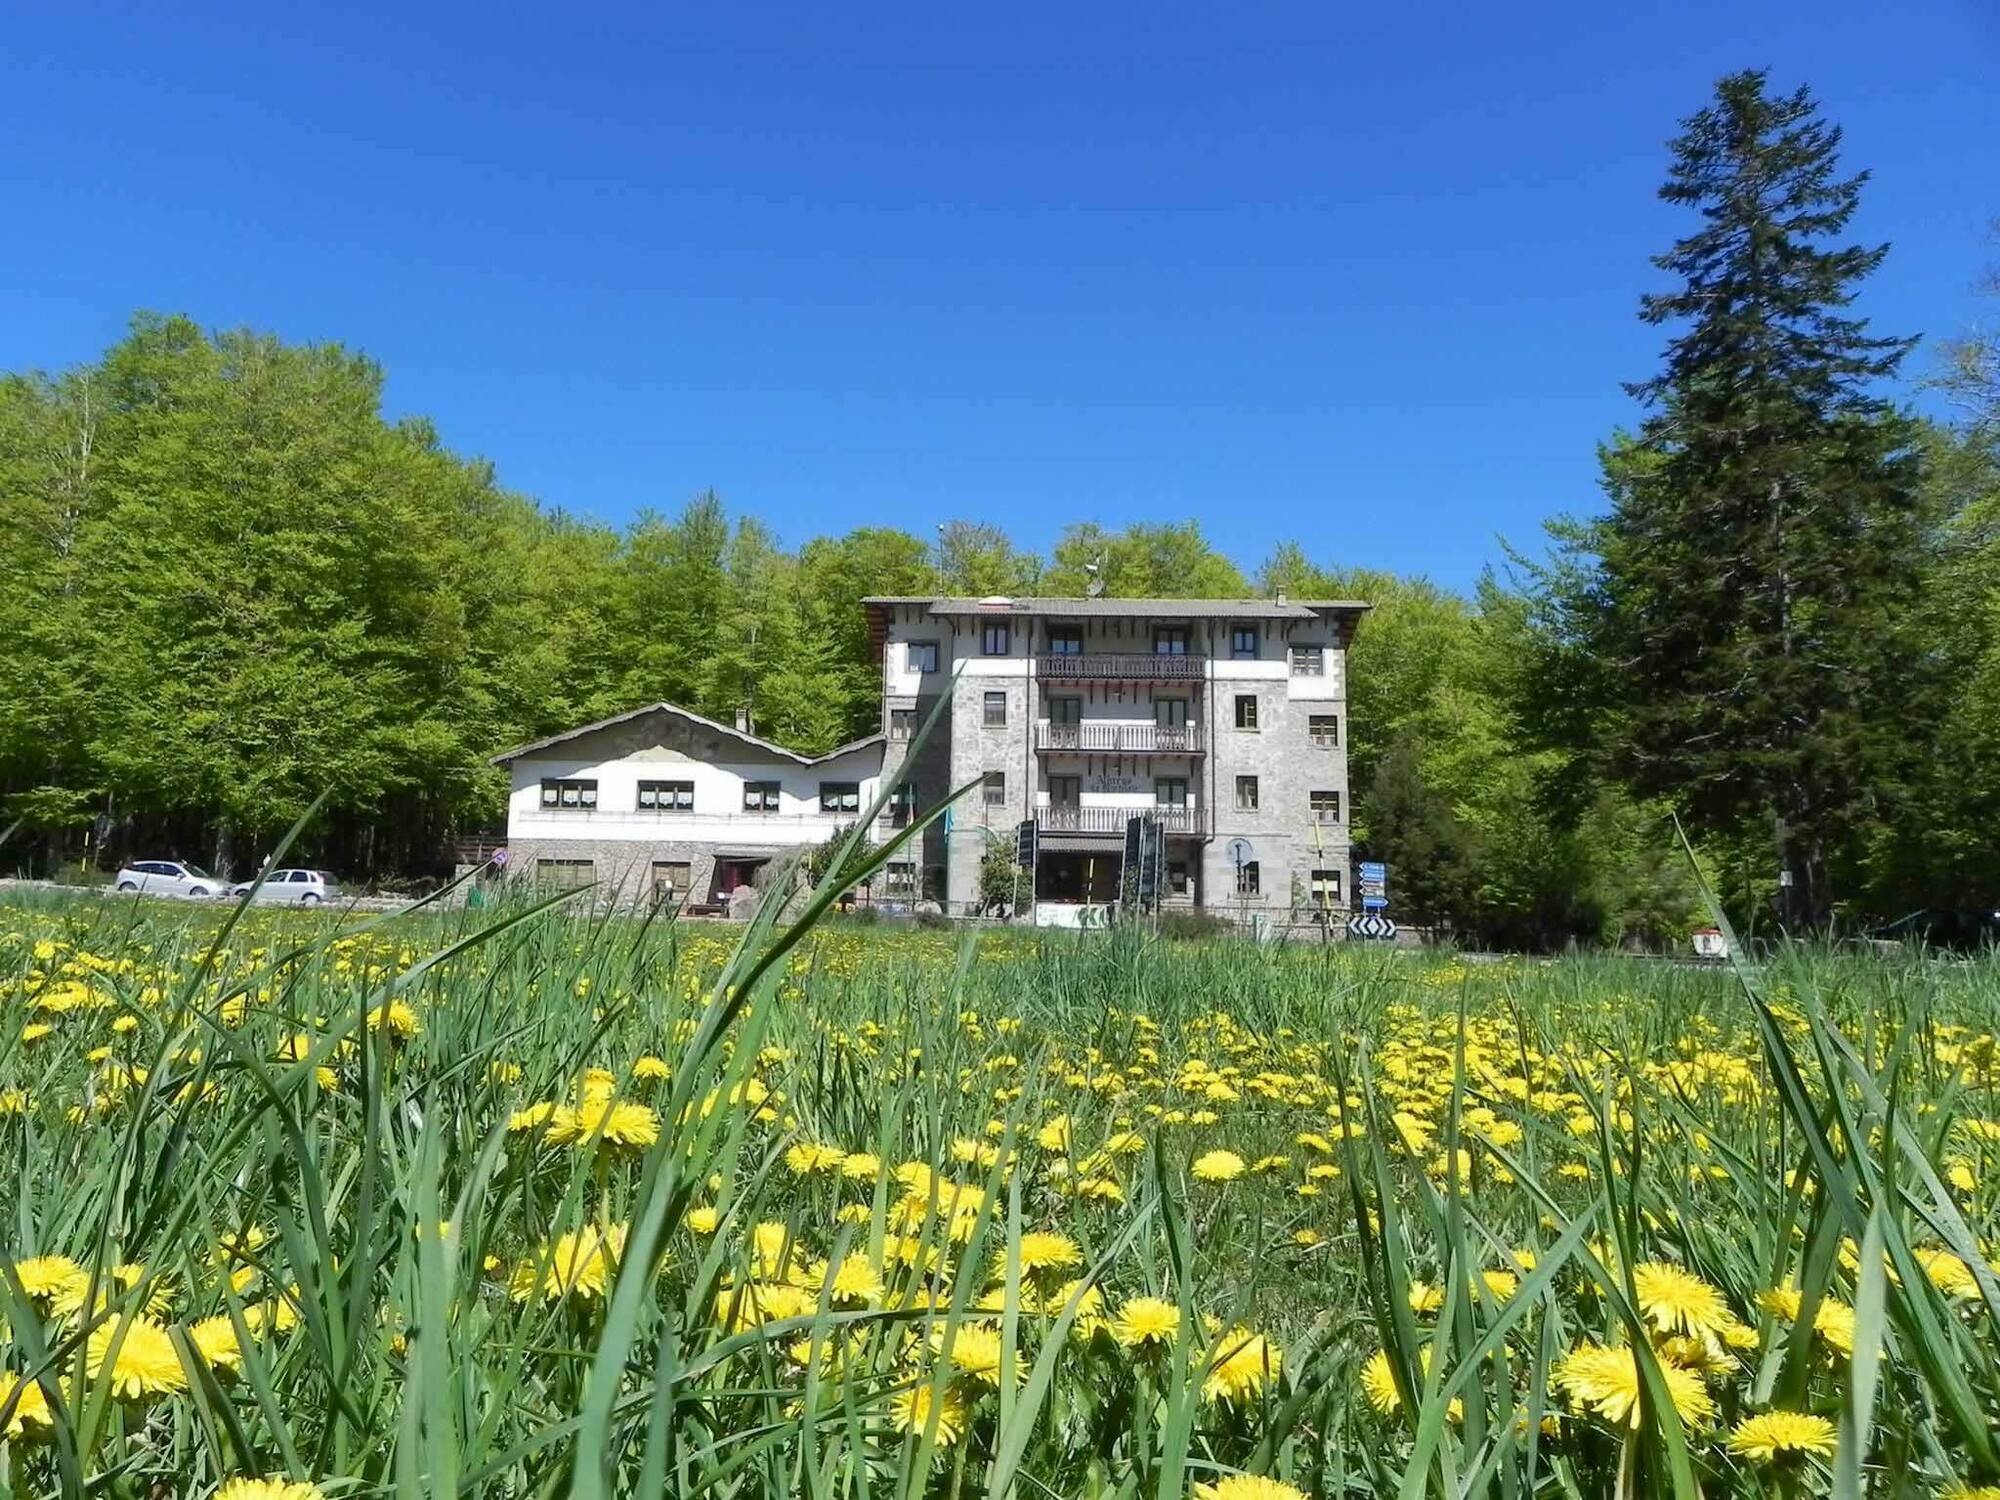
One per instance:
[(718, 815)]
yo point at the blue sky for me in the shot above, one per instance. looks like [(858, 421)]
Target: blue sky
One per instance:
[(1362, 276)]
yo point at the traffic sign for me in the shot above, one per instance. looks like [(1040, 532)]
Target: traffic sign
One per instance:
[(1027, 840), (1371, 925)]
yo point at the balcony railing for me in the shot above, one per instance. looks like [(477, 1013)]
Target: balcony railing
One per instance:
[(1140, 666), (1070, 818), (1119, 737)]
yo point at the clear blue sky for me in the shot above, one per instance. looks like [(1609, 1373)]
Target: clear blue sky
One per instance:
[(1361, 275)]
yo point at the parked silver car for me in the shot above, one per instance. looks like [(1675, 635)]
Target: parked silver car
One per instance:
[(169, 877), (291, 887)]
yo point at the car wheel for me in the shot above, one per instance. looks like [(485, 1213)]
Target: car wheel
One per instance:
[(198, 892), (310, 898), (128, 885)]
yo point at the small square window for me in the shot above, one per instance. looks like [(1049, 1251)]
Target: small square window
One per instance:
[(1066, 640), (840, 797), (996, 638), (995, 707), (1325, 807), (672, 880), (1309, 661), (1326, 889), (1246, 710), (1170, 640), (760, 796), (1170, 791), (1324, 730), (1247, 882), (902, 723), (902, 807), (899, 878), (1246, 794), (565, 873), (923, 656), (994, 789), (1243, 642)]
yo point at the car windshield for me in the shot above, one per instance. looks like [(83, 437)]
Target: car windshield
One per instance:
[(196, 871)]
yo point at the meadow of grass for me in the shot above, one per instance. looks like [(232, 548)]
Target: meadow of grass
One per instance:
[(512, 1202)]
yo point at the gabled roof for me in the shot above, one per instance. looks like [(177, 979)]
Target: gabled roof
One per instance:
[(756, 742)]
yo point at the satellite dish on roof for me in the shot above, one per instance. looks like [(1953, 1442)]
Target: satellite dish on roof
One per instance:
[(1240, 852), (1094, 571)]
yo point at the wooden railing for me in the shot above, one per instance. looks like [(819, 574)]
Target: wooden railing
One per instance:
[(1112, 820), (1145, 666), (1119, 737)]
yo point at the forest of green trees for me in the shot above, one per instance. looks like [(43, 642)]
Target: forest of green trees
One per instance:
[(228, 584)]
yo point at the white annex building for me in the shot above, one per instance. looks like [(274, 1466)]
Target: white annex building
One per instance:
[(663, 805)]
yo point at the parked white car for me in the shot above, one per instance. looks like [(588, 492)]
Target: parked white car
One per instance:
[(169, 877), (291, 888)]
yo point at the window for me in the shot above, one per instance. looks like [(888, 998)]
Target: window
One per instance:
[(1325, 807), (1243, 642), (902, 807), (902, 723), (1170, 640), (1177, 877), (1326, 889), (1170, 713), (672, 879), (923, 656), (760, 796), (1246, 879), (1309, 661), (1246, 794), (899, 878), (840, 797), (1170, 791), (1065, 791), (565, 872), (666, 796), (996, 638), (994, 789), (1066, 711), (1066, 640), (1324, 730), (996, 711), (1246, 710), (571, 796)]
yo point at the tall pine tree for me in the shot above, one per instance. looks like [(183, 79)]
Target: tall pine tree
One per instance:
[(1765, 532)]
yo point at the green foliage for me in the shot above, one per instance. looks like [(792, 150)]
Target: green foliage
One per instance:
[(1744, 600)]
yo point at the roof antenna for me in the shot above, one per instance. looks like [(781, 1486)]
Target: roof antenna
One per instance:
[(1094, 570)]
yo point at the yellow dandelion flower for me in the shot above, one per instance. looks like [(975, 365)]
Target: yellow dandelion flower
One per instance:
[(1606, 1380), (1146, 1320), (139, 1356), (1775, 1436), (1247, 1487), (1241, 1364), (1217, 1166), (916, 1409)]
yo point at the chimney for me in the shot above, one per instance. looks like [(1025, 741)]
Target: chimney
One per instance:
[(743, 718), (1281, 595)]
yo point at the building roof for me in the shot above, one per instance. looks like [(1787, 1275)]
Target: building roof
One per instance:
[(754, 741), (1201, 609)]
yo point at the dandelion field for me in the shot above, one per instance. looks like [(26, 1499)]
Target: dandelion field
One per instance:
[(516, 1203)]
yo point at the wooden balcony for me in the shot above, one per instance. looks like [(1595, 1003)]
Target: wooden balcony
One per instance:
[(1119, 737), (1110, 821), (1127, 666)]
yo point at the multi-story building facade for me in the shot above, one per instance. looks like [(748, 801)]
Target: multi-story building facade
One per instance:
[(1227, 719)]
